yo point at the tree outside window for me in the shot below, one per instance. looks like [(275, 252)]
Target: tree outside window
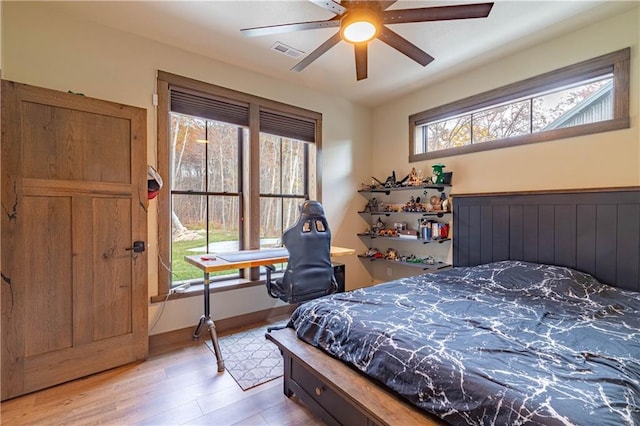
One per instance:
[(205, 188), (588, 102)]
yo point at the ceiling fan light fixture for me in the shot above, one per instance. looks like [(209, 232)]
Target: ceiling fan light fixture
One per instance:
[(359, 32), (360, 26), (361, 21)]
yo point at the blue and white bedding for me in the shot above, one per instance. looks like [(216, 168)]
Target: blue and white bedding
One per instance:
[(504, 343)]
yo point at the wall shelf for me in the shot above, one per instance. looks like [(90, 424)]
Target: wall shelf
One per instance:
[(423, 214), (415, 240), (389, 190), (424, 266), (420, 248)]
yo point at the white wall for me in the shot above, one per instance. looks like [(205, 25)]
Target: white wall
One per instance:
[(602, 160), (45, 47)]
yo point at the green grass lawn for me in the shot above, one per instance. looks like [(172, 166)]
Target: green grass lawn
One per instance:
[(184, 271)]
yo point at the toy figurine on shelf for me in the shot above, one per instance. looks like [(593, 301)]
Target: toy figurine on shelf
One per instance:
[(436, 203), (372, 205), (413, 205), (446, 203), (390, 182), (371, 252), (365, 187), (413, 259), (409, 205), (388, 233), (378, 226), (391, 254), (436, 179), (415, 177)]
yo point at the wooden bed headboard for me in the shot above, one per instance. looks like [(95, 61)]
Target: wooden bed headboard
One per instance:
[(594, 231)]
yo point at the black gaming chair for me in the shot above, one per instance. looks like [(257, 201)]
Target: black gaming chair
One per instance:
[(309, 272)]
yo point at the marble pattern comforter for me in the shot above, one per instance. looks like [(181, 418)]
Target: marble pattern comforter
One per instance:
[(504, 343)]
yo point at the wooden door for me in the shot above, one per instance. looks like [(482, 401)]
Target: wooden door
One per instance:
[(74, 298)]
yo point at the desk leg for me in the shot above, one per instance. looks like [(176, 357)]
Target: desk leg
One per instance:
[(206, 319)]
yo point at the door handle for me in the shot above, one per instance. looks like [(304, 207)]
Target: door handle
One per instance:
[(138, 247)]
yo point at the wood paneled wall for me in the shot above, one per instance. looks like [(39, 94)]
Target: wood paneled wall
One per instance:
[(597, 232)]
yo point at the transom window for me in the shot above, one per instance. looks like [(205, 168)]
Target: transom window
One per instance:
[(589, 97)]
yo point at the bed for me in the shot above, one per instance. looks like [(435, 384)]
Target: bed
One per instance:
[(503, 338)]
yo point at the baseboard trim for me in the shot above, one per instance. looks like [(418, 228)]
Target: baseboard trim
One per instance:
[(223, 326)]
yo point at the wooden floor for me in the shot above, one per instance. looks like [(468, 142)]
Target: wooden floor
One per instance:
[(178, 384)]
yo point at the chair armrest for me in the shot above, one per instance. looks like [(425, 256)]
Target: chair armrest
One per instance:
[(334, 284), (269, 269)]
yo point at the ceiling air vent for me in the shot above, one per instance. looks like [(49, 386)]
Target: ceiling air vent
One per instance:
[(286, 50)]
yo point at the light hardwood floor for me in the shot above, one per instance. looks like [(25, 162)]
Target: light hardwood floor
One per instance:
[(178, 384)]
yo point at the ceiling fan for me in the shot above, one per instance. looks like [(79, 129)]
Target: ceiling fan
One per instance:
[(362, 21)]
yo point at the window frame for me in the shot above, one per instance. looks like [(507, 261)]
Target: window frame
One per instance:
[(250, 194), (616, 63)]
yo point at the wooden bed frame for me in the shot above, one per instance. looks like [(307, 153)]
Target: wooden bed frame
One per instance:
[(338, 393), (596, 231)]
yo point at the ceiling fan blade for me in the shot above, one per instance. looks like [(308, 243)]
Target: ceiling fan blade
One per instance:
[(361, 60), (404, 46), (441, 13), (317, 53), (285, 28), (331, 6)]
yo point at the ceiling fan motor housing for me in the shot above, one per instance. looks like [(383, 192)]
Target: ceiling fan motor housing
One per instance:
[(361, 24)]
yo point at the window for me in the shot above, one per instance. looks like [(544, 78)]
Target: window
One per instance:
[(283, 186), (589, 97), (205, 189), (237, 167)]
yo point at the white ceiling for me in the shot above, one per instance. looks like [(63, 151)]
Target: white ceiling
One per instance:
[(212, 28)]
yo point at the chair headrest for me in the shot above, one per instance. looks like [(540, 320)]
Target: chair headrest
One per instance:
[(312, 209)]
